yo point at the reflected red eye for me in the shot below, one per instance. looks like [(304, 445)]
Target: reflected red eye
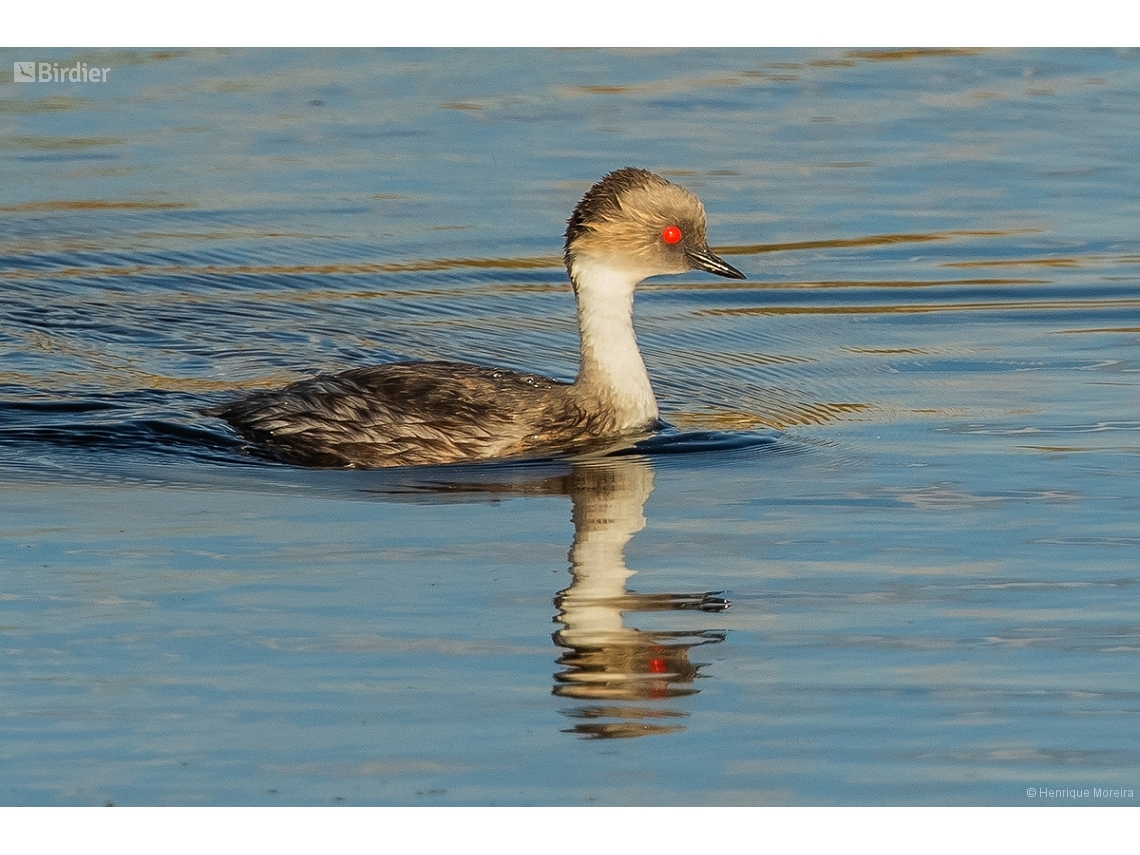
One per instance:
[(671, 234)]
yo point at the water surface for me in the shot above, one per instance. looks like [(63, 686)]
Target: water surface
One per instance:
[(886, 553)]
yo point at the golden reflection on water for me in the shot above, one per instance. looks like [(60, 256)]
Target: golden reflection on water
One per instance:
[(285, 270), (907, 54), (776, 410), (1024, 262), (720, 420), (539, 262), (1097, 330), (867, 240), (818, 284), (926, 308), (56, 143), (92, 205), (117, 377)]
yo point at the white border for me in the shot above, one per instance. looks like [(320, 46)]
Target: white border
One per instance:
[(601, 23)]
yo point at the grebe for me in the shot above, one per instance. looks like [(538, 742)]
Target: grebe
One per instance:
[(629, 226)]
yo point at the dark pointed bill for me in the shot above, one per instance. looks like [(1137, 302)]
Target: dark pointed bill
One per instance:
[(705, 260)]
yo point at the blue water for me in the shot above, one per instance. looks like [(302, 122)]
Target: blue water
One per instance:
[(886, 552)]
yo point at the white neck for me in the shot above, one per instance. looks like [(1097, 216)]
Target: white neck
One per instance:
[(611, 364)]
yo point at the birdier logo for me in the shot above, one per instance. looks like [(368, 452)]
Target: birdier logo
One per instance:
[(52, 72)]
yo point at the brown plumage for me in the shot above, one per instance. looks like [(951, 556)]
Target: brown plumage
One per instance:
[(411, 413)]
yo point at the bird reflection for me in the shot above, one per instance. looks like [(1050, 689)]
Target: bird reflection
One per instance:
[(628, 674), (626, 679)]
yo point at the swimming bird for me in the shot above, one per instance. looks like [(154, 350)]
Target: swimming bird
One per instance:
[(631, 225)]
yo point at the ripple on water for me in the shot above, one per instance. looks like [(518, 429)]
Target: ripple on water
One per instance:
[(905, 448)]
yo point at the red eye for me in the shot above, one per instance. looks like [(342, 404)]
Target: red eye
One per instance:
[(671, 234)]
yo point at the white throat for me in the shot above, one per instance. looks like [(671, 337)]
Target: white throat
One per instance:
[(611, 364)]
